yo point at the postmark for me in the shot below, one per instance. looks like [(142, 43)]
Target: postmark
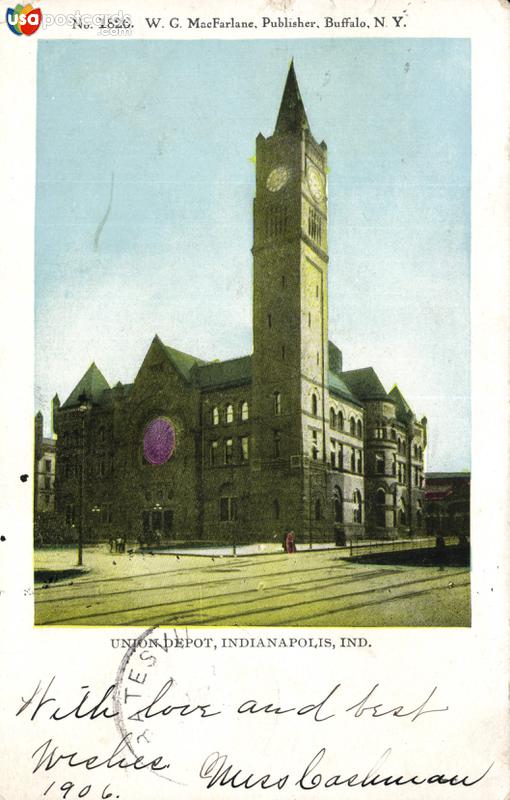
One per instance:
[(139, 742), (149, 696)]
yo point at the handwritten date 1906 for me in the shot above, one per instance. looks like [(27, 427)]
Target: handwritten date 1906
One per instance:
[(68, 786)]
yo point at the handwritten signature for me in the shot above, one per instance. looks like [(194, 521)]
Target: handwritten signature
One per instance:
[(219, 770)]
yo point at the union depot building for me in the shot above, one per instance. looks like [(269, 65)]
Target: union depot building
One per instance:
[(246, 449)]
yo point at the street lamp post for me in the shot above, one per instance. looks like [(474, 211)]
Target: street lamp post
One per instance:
[(95, 510), (159, 509), (83, 408), (310, 533)]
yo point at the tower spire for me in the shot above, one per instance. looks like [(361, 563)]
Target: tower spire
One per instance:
[(292, 114)]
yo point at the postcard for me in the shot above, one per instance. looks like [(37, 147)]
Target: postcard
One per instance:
[(255, 432)]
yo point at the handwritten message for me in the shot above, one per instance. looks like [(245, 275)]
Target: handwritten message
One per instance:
[(142, 695)]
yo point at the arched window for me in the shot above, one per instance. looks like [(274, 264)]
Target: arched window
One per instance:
[(352, 426), (380, 508), (213, 453), (403, 512), (340, 421), (359, 429), (229, 451), (245, 411), (359, 463), (353, 460), (277, 403), (379, 462), (229, 413), (393, 434), (215, 416), (357, 513), (314, 405), (318, 510), (276, 509), (332, 417), (338, 508), (415, 450)]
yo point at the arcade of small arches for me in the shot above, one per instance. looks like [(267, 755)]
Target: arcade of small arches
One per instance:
[(226, 413), (338, 419)]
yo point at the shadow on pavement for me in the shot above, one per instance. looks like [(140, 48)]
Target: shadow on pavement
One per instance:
[(427, 557)]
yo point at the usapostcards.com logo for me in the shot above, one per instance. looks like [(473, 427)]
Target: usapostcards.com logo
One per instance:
[(23, 19)]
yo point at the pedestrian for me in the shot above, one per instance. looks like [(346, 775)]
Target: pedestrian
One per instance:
[(290, 543), (440, 551)]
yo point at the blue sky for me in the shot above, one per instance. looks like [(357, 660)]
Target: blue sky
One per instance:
[(175, 123)]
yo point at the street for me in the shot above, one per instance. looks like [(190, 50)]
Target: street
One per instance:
[(304, 589)]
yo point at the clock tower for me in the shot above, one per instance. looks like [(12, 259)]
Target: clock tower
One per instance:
[(290, 319)]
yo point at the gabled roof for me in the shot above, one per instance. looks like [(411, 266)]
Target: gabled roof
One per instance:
[(90, 388), (215, 374), (208, 374), (183, 362), (292, 114), (403, 410), (338, 387), (365, 384)]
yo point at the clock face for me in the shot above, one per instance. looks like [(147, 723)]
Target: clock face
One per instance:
[(316, 184), (277, 178)]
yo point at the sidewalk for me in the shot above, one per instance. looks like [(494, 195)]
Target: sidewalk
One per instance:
[(262, 549)]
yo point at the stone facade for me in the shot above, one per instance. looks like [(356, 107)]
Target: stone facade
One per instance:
[(252, 447), (44, 469), (448, 503)]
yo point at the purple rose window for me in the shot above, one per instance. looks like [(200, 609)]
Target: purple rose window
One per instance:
[(159, 441)]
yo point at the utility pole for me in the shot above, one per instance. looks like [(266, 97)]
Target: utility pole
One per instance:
[(83, 409)]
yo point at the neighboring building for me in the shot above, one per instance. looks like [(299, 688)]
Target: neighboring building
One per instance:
[(447, 502), (248, 448), (44, 470)]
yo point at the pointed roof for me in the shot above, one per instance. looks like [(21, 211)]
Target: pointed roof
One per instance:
[(292, 114), (182, 362), (403, 410), (90, 387), (365, 384)]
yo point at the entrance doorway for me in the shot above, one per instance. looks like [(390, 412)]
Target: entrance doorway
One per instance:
[(157, 525)]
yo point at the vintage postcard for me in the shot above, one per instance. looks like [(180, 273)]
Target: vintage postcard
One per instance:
[(259, 298)]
